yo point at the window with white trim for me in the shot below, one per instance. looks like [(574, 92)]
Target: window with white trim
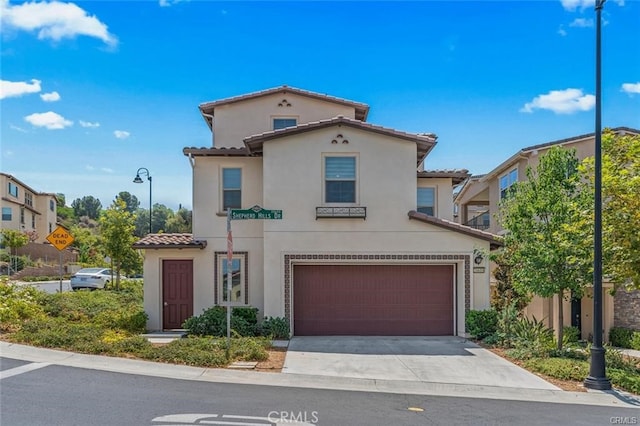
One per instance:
[(340, 179), (28, 199), (231, 188), (427, 201), (238, 278), (506, 182), (283, 122)]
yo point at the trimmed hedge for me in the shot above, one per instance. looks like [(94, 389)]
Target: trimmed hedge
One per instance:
[(481, 324)]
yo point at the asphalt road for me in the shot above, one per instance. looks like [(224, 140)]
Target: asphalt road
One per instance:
[(39, 394), (51, 286)]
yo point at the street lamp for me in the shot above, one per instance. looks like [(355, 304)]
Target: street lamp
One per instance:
[(597, 378), (138, 179)]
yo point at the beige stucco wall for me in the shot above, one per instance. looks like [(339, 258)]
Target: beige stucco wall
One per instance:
[(235, 121)]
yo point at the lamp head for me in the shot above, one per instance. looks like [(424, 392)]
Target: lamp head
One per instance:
[(138, 179)]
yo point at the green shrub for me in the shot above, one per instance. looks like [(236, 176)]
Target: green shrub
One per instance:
[(250, 348), (507, 320), (560, 368), (492, 339), (199, 351), (481, 324), (620, 337), (569, 352), (275, 328), (635, 341), (17, 304), (532, 335), (131, 318), (624, 380), (213, 322), (59, 333), (570, 336)]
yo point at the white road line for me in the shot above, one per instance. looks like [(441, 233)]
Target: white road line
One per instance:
[(22, 369)]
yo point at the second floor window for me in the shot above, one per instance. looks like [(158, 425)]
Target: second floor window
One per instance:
[(13, 189), (28, 199), (231, 188), (281, 123), (52, 205), (340, 179), (427, 201), (506, 182)]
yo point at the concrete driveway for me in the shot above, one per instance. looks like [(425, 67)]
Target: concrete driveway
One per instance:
[(418, 359)]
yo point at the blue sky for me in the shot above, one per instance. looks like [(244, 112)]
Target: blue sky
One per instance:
[(91, 91)]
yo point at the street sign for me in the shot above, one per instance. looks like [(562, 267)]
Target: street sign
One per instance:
[(255, 212), (60, 238)]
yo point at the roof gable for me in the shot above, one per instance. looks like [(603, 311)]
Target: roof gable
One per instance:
[(207, 109)]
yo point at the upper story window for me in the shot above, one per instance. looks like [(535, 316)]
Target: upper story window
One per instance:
[(506, 181), (52, 205), (22, 216), (231, 188), (28, 199), (6, 214), (340, 179), (427, 201), (13, 189), (281, 123)]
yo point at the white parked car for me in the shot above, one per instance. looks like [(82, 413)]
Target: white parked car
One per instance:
[(91, 278)]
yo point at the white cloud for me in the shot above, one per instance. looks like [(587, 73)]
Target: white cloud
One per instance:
[(582, 23), (121, 134), (16, 128), (631, 88), (50, 120), (107, 170), (10, 89), (566, 101), (54, 20), (562, 31), (573, 5), (89, 124), (167, 3), (50, 97)]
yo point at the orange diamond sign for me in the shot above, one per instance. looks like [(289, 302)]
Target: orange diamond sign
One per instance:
[(60, 238)]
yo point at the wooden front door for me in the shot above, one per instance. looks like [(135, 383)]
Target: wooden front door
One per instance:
[(177, 292)]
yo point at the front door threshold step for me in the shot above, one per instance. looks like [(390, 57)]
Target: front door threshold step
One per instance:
[(243, 365)]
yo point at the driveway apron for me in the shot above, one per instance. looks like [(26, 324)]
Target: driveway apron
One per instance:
[(418, 359)]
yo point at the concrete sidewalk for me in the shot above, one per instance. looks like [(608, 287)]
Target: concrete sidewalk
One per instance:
[(146, 368)]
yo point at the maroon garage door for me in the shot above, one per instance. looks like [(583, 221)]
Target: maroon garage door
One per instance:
[(373, 300)]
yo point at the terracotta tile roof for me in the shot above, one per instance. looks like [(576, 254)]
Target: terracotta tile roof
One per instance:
[(425, 141), (457, 175), (494, 240), (215, 152), (208, 107), (159, 241)]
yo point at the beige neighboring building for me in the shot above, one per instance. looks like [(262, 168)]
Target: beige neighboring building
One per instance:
[(25, 209), (366, 244), (477, 204)]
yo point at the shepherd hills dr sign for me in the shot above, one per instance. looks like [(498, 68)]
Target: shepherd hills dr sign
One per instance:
[(255, 212)]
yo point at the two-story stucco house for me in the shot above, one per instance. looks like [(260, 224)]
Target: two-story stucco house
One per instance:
[(477, 205), (27, 210), (366, 244)]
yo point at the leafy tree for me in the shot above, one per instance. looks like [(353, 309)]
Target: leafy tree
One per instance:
[(621, 206), (506, 293), (87, 242), (130, 200), (161, 214), (142, 223), (14, 240), (61, 200), (547, 236), (117, 225), (180, 222), (87, 206)]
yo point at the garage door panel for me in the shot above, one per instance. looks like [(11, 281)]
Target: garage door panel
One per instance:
[(373, 299)]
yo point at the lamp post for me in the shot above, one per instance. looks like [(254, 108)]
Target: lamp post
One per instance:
[(138, 179), (597, 378)]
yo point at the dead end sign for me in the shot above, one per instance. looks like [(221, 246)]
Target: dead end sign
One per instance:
[(60, 238)]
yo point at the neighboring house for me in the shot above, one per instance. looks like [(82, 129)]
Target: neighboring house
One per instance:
[(25, 209), (366, 244), (477, 205)]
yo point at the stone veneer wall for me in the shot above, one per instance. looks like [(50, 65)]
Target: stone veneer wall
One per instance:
[(627, 309)]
